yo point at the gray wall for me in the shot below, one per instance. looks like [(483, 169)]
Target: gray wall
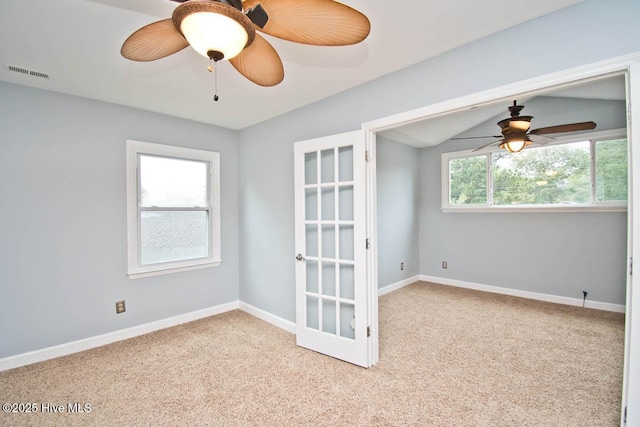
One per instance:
[(558, 253), (63, 250), (397, 185), (600, 29)]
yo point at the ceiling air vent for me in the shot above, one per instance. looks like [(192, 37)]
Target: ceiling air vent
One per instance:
[(28, 72)]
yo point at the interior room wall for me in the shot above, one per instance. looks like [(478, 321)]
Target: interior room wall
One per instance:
[(556, 253), (63, 250), (397, 192), (266, 170)]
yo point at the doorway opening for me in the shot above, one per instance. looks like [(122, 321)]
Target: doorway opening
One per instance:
[(564, 83)]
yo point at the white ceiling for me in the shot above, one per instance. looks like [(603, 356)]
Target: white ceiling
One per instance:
[(77, 42)]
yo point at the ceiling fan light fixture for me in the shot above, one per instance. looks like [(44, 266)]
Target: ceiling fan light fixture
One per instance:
[(214, 30), (515, 144)]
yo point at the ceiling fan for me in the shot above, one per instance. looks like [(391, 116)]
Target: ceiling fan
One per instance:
[(516, 134), (226, 30)]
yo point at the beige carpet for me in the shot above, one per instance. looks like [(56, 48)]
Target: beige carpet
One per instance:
[(448, 357)]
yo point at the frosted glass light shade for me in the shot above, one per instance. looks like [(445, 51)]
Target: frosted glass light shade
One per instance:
[(209, 31), (515, 145)]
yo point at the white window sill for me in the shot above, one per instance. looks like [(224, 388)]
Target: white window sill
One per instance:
[(168, 270), (508, 209)]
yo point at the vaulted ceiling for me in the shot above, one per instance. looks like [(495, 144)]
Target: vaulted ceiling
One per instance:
[(482, 120)]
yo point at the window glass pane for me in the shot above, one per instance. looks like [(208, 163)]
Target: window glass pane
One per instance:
[(311, 167), (327, 166), (345, 159), (347, 314), (311, 235), (347, 280), (168, 182), (312, 276), (173, 235), (328, 203), (345, 200), (547, 175), (313, 313), (611, 170), (328, 241), (468, 181), (329, 278), (346, 243), (329, 316), (311, 204)]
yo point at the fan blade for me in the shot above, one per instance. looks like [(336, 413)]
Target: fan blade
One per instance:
[(260, 63), (476, 137), (487, 145), (541, 139), (314, 22), (154, 41), (570, 127)]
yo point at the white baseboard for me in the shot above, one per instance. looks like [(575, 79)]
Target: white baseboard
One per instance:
[(268, 317), (111, 337), (618, 308), (395, 286)]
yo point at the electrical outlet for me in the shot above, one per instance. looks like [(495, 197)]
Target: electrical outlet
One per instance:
[(444, 264), (402, 266), (120, 307)]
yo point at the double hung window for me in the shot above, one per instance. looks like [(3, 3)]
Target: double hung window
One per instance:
[(571, 174), (173, 208)]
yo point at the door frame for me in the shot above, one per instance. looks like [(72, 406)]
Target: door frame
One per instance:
[(628, 65)]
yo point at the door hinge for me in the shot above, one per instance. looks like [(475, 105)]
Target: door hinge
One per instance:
[(369, 334), (624, 415), (366, 156), (367, 244), (631, 266)]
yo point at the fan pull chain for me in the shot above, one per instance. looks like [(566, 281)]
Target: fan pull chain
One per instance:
[(212, 69)]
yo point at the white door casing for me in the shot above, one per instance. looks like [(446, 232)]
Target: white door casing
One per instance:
[(332, 307)]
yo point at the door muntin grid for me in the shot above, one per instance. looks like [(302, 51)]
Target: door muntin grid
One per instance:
[(329, 241)]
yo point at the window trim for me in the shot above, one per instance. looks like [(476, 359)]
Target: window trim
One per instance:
[(134, 149), (593, 137)]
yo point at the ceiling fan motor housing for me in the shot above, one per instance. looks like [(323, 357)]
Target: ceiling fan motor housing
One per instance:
[(516, 124)]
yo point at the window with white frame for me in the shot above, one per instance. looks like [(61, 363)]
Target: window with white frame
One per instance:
[(573, 173), (173, 208)]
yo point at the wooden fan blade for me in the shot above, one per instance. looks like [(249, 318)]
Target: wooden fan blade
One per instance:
[(570, 127), (154, 41), (260, 63), (541, 139), (487, 145), (314, 22)]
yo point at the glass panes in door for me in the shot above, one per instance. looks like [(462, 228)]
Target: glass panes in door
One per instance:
[(329, 240)]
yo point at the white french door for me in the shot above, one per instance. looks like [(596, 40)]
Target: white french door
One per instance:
[(331, 247)]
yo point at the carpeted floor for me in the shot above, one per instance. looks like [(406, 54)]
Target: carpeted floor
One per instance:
[(448, 357)]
